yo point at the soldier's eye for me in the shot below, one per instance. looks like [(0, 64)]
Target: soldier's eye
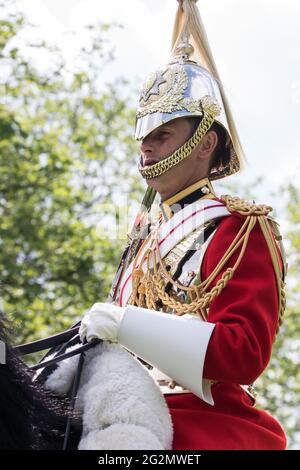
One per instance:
[(163, 134)]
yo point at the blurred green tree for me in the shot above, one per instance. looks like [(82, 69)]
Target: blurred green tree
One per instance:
[(65, 158)]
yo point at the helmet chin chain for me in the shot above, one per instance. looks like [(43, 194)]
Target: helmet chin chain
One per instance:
[(185, 150)]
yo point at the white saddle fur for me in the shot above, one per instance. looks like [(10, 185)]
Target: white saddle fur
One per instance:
[(121, 405)]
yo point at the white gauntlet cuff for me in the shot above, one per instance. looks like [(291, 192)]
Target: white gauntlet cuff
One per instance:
[(176, 345)]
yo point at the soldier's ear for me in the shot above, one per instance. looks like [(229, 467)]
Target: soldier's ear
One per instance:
[(207, 145)]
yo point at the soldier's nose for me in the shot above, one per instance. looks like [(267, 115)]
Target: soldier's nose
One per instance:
[(146, 146)]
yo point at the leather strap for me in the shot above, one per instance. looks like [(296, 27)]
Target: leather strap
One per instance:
[(46, 343)]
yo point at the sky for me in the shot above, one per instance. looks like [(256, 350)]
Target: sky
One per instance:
[(256, 47)]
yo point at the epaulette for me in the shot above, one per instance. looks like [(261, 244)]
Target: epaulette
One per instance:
[(244, 207)]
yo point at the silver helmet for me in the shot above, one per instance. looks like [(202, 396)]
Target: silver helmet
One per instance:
[(184, 88)]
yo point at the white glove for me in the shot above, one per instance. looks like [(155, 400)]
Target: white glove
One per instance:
[(102, 321)]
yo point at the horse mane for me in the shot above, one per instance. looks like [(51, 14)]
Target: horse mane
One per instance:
[(30, 416)]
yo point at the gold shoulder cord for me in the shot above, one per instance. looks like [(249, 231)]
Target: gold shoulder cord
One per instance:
[(271, 233), (150, 287), (270, 230)]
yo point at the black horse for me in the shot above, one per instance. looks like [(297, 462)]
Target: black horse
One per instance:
[(30, 417)]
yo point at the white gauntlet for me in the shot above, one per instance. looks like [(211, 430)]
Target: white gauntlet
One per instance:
[(176, 345), (102, 321)]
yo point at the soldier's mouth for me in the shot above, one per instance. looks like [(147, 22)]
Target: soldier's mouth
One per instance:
[(145, 162)]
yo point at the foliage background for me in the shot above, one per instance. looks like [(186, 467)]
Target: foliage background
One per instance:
[(67, 177)]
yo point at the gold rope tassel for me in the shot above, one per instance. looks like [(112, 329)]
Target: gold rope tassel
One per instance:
[(154, 282)]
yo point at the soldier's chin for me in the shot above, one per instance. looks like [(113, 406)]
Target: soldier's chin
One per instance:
[(156, 182)]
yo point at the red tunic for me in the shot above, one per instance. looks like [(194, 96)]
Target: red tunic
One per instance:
[(246, 317)]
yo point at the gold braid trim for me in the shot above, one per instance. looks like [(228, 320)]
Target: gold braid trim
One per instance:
[(150, 287)]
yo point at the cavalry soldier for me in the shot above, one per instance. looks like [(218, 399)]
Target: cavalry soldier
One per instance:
[(201, 297)]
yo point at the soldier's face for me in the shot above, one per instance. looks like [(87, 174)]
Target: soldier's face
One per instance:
[(160, 144)]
